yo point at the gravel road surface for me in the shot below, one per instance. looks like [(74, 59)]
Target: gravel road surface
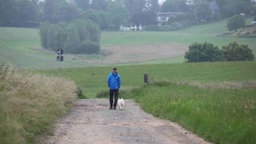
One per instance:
[(91, 122)]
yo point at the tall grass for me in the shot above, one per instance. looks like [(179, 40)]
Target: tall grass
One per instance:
[(222, 115), (29, 103), (92, 80)]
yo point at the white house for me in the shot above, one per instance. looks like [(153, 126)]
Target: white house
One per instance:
[(163, 17)]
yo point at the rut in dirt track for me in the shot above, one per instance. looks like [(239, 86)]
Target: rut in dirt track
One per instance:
[(91, 122)]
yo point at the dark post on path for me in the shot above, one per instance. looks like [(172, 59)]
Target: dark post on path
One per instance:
[(60, 58), (146, 78)]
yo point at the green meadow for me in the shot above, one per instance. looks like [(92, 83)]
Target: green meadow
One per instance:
[(92, 80), (200, 33), (214, 100), (21, 47)]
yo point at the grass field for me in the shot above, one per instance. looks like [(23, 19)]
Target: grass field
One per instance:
[(215, 100), (220, 115), (21, 47), (93, 79)]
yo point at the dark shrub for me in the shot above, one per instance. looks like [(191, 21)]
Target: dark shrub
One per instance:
[(236, 22), (205, 52), (236, 52), (88, 47)]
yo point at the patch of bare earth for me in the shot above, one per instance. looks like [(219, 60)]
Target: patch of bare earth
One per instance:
[(142, 53), (91, 122)]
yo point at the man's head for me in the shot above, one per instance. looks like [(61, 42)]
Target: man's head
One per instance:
[(114, 70)]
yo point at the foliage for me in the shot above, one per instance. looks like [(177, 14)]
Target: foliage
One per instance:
[(95, 16), (29, 104), (207, 52), (236, 52), (203, 53), (121, 93), (220, 115), (145, 18), (19, 13), (236, 22), (203, 12), (78, 36), (142, 11), (229, 8), (55, 11), (117, 15), (99, 5), (181, 22), (206, 11), (110, 14), (174, 6), (80, 93), (88, 47), (83, 4)]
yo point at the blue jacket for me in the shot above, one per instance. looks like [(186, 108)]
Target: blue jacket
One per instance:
[(114, 81)]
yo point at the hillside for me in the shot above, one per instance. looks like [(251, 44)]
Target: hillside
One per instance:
[(214, 100), (21, 47)]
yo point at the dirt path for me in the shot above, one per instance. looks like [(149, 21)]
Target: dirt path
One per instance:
[(91, 122)]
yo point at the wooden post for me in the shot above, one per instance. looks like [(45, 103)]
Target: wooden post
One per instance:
[(146, 78)]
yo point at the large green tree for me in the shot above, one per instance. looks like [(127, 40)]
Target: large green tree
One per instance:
[(202, 11), (236, 22), (77, 36), (59, 10), (19, 13), (142, 11), (174, 6), (232, 7), (117, 14), (83, 4), (100, 5)]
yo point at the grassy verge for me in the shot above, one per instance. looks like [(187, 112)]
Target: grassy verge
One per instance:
[(223, 115), (29, 103), (214, 100), (92, 80)]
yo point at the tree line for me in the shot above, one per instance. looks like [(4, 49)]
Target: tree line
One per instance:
[(111, 14), (204, 11), (107, 13), (74, 25)]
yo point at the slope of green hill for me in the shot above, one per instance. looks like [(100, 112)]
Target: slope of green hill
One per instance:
[(21, 47)]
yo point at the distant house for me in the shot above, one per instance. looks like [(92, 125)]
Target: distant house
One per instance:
[(163, 17), (254, 22)]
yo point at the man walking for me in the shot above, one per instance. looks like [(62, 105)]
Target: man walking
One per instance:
[(114, 82)]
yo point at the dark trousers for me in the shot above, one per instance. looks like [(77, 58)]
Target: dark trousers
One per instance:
[(112, 94)]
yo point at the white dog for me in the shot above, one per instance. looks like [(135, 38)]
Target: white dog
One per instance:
[(120, 103)]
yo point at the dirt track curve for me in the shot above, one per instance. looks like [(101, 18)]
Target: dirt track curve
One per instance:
[(91, 122)]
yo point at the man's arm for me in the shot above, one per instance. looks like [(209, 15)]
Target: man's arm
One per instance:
[(119, 82), (108, 79)]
